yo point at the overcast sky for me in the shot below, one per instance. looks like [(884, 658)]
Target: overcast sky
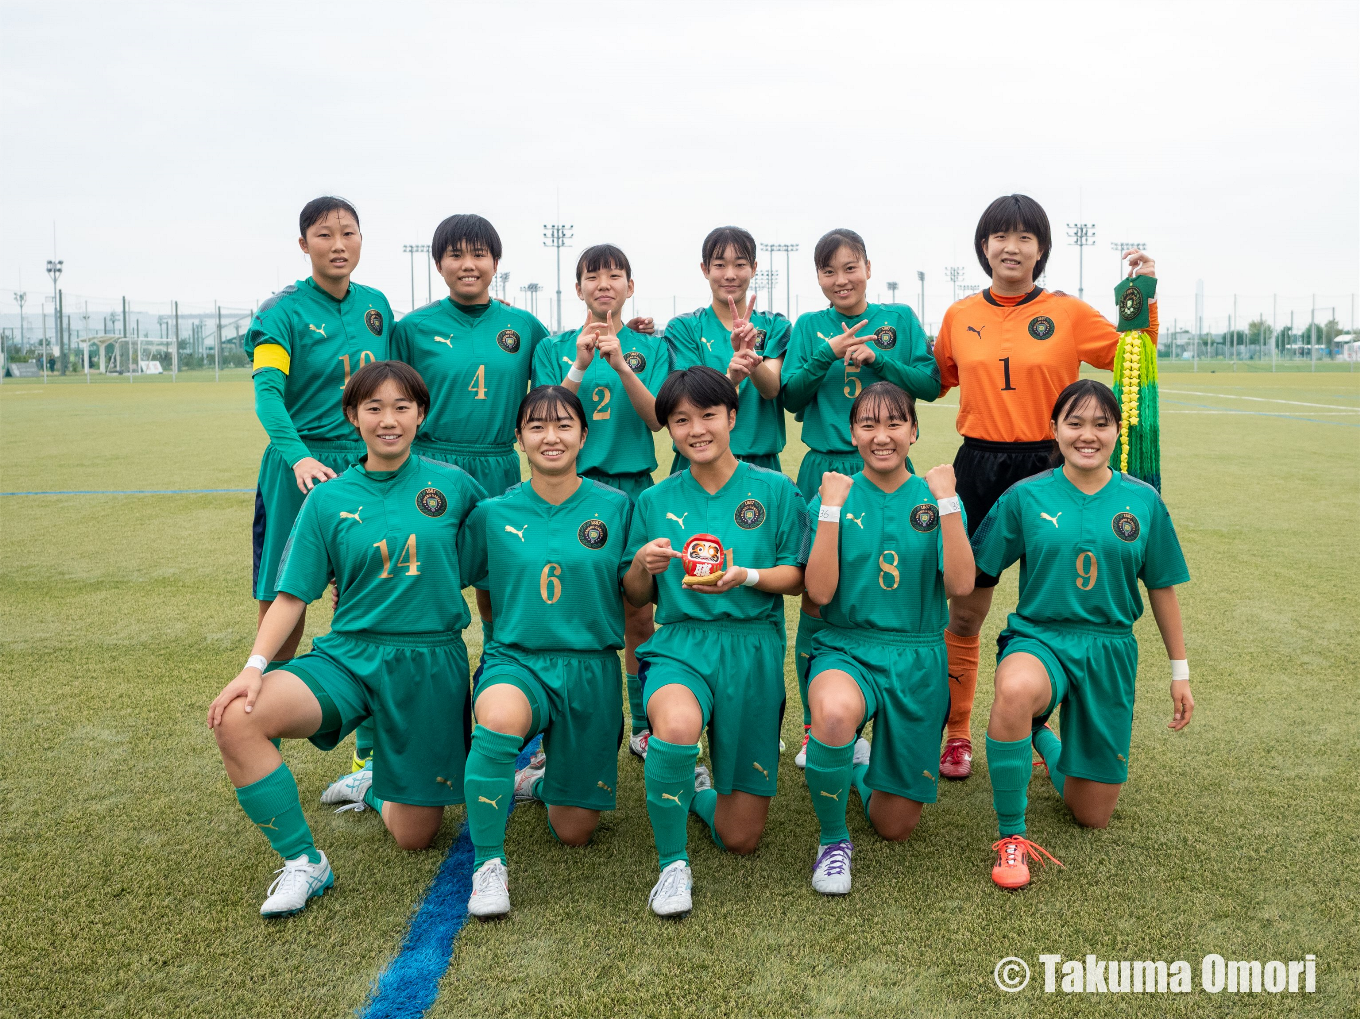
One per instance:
[(174, 144)]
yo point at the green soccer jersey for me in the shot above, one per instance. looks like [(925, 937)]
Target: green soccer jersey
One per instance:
[(700, 338), (394, 542), (554, 571), (318, 342), (891, 553), (758, 516), (821, 387), (619, 441), (1081, 556), (476, 361)]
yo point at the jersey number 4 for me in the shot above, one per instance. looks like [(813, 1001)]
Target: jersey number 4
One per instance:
[(407, 558), (478, 383)]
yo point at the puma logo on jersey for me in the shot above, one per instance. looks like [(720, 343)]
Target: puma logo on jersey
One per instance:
[(518, 534), (928, 775), (668, 796), (860, 521), (832, 796), (973, 329), (495, 803), (604, 787), (444, 340), (352, 516), (1045, 516), (706, 343), (567, 359), (679, 520), (441, 778), (314, 329), (756, 765)]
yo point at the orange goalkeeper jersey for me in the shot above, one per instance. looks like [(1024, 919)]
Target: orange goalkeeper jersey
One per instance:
[(1011, 359)]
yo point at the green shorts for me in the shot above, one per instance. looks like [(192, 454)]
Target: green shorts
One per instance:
[(736, 672), (577, 702), (277, 502), (904, 678), (770, 461), (631, 485), (415, 688), (816, 463), (1092, 672), (495, 468)]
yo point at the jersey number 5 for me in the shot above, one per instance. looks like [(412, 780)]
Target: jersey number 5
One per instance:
[(1086, 570), (548, 584), (852, 382), (406, 559)]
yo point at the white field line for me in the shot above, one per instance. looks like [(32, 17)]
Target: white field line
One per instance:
[(1258, 399)]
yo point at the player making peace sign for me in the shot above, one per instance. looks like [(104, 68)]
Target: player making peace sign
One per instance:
[(1085, 535), (389, 532), (1010, 349), (890, 548), (833, 355)]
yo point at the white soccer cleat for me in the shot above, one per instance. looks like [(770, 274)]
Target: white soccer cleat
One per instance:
[(527, 776), (490, 890), (671, 894), (702, 778), (539, 759), (862, 750), (298, 881), (637, 744), (831, 872), (350, 788), (800, 758)]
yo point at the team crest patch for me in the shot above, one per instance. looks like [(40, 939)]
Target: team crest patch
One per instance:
[(885, 338), (1130, 304), (1126, 526), (635, 361), (431, 502), (1041, 327), (761, 334), (593, 533), (750, 515), (508, 341), (925, 517), (374, 320)]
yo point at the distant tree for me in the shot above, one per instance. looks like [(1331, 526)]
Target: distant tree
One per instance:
[(1259, 332)]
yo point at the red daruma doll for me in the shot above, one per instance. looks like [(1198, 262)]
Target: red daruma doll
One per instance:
[(703, 560)]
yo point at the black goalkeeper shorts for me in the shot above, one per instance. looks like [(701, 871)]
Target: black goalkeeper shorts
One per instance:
[(984, 470)]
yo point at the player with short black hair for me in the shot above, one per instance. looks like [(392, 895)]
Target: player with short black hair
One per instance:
[(828, 365), (889, 548), (1010, 349), (553, 553), (390, 532), (717, 662), (1085, 535), (305, 342)]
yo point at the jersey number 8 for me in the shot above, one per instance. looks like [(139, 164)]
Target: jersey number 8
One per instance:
[(888, 568)]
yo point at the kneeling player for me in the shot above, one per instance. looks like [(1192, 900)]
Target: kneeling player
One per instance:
[(390, 531), (552, 551), (718, 659), (1085, 536), (891, 548)]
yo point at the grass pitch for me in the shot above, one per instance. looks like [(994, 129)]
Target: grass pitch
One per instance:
[(132, 880)]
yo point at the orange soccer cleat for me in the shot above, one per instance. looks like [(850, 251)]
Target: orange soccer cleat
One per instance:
[(957, 760), (1010, 870)]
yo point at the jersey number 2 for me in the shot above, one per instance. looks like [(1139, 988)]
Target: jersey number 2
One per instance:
[(601, 396)]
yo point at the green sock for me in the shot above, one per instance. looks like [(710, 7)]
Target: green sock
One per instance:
[(273, 804), (669, 776), (1009, 766), (373, 802), (363, 740), (635, 706), (857, 776), (1050, 749), (705, 805), (808, 626), (489, 788), (829, 776)]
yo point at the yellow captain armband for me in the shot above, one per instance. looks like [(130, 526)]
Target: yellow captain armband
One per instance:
[(271, 355)]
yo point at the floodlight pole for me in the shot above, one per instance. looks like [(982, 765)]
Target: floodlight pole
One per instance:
[(19, 299), (892, 292), (502, 278), (558, 236), (54, 270), (955, 273), (788, 249), (1082, 235), (217, 346), (1119, 247)]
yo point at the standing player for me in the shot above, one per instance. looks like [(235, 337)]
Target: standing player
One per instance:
[(1085, 535), (619, 371), (731, 337), (829, 364), (718, 660), (389, 531), (890, 548), (1010, 349), (305, 342), (553, 552)]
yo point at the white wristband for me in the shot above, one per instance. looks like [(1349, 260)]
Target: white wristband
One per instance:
[(949, 504), (831, 514), (575, 374), (752, 578), (1180, 669), (257, 662)]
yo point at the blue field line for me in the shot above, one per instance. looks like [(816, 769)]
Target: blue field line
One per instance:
[(1260, 414), (139, 491), (408, 987)]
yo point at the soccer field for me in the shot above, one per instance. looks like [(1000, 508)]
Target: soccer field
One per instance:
[(132, 880)]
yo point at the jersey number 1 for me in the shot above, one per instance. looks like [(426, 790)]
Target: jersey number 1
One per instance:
[(1006, 370)]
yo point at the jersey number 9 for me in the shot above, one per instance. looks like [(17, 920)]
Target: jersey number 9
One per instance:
[(548, 584), (1086, 570)]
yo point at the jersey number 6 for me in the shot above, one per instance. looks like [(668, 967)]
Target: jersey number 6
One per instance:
[(548, 584)]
